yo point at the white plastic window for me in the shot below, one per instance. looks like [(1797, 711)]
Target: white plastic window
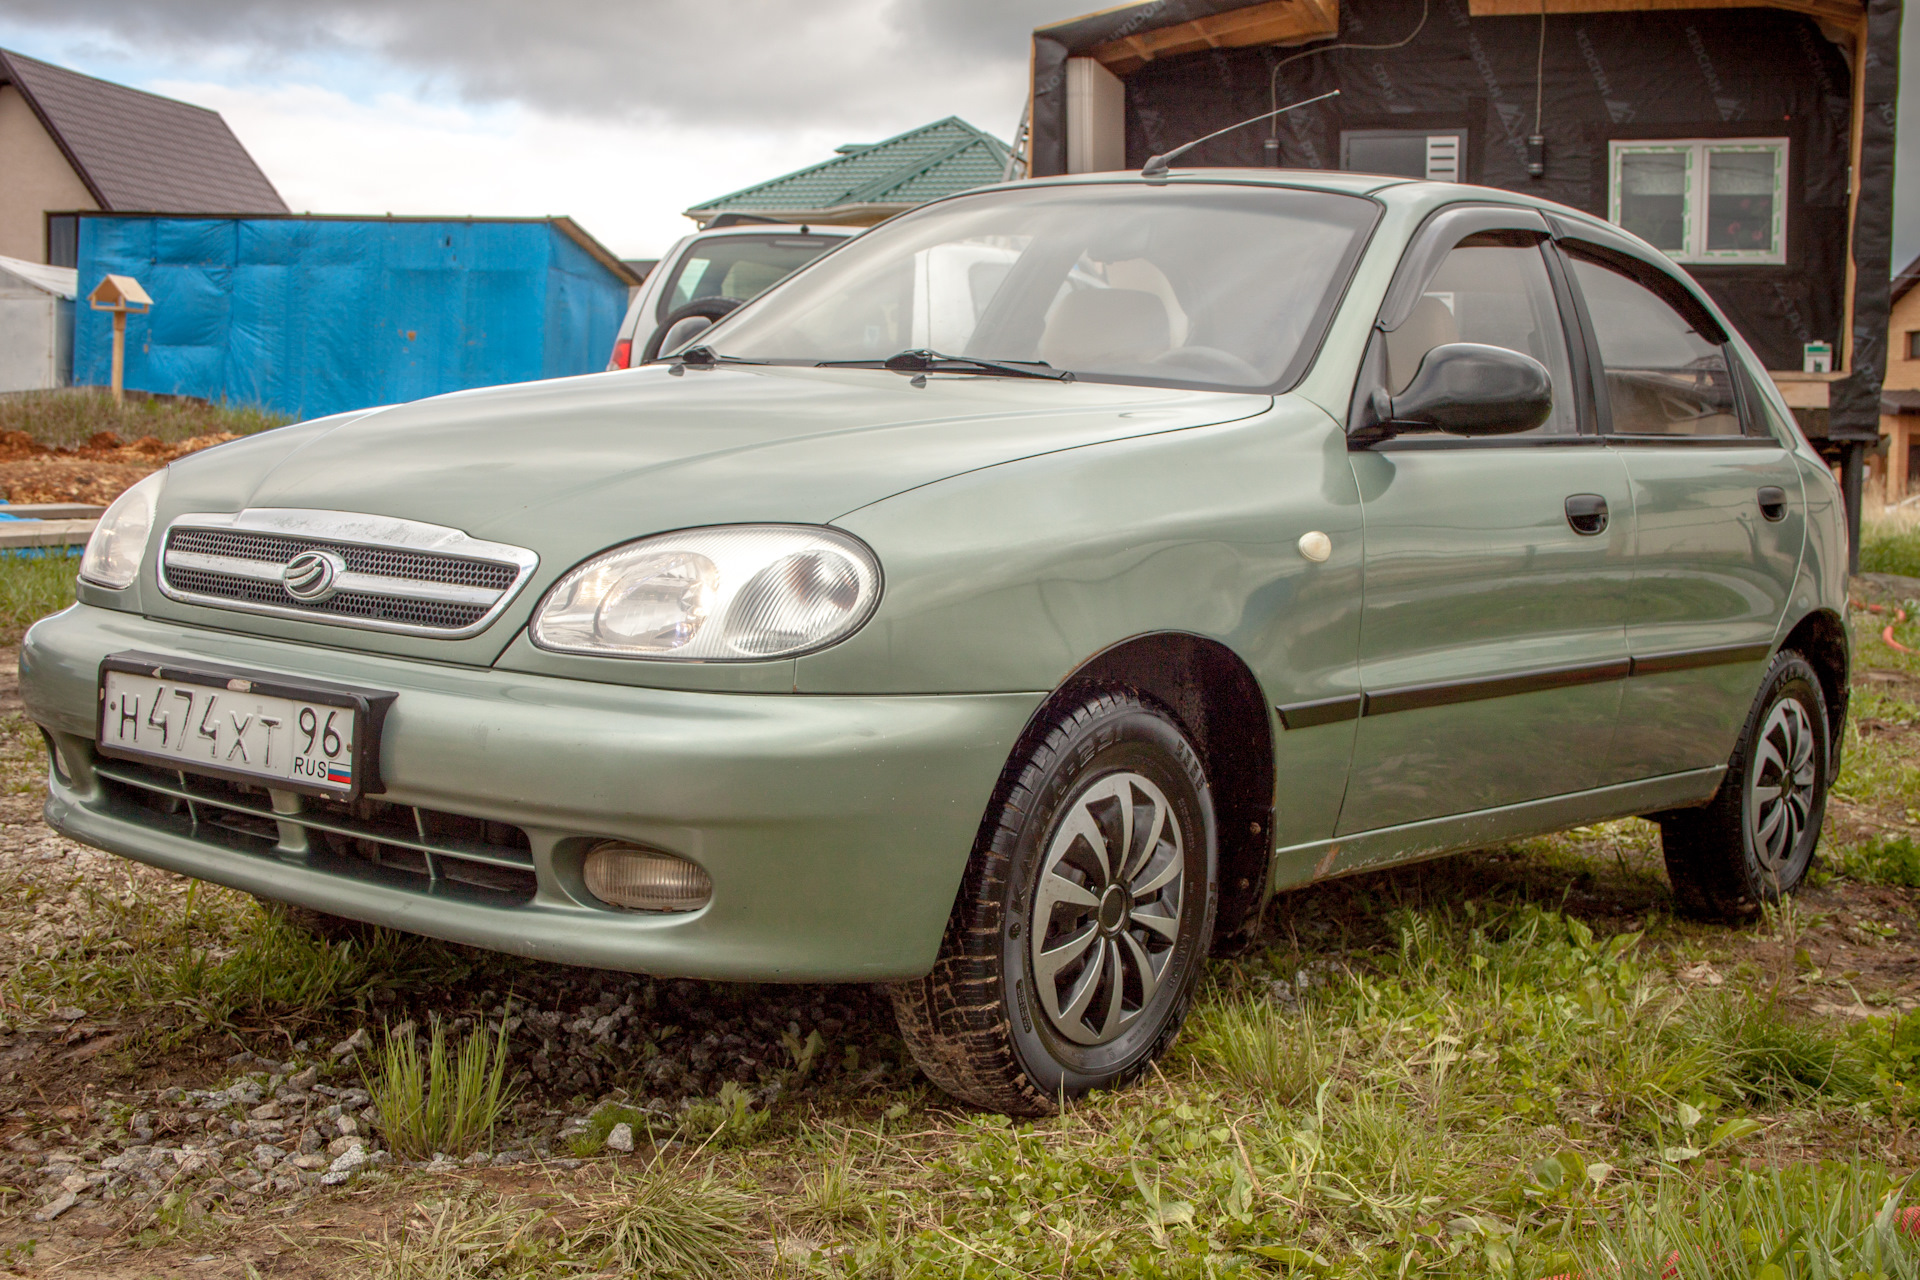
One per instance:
[(1703, 200)]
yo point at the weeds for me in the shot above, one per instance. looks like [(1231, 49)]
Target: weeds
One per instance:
[(437, 1103), (1886, 549), (1888, 860), (1259, 1050), (657, 1223), (1803, 1223), (727, 1120), (67, 418)]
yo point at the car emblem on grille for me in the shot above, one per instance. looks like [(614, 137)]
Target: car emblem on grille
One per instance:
[(312, 576)]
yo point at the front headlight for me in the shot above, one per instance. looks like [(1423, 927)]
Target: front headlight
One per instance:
[(736, 593), (114, 549)]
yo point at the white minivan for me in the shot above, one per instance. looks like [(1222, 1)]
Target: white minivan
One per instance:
[(708, 274)]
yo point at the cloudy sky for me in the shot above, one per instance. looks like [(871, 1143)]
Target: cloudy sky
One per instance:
[(621, 115)]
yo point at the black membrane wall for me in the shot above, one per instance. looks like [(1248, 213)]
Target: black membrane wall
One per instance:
[(1653, 75)]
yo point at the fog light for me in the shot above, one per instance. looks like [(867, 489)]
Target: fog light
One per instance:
[(623, 875)]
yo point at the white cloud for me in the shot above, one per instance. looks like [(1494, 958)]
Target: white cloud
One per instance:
[(625, 183)]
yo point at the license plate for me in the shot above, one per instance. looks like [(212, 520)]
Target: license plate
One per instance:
[(317, 738)]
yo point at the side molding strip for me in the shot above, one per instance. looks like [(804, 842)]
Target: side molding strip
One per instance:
[(1413, 697), (1308, 715), (1689, 659)]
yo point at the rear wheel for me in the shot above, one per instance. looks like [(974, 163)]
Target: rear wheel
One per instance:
[(1754, 841), (1071, 956)]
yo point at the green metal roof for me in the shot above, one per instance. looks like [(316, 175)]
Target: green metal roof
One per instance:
[(870, 181)]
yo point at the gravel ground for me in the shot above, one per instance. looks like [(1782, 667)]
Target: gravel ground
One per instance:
[(228, 1130)]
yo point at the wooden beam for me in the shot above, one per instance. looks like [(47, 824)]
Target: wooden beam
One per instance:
[(1278, 22), (1853, 188), (1846, 12)]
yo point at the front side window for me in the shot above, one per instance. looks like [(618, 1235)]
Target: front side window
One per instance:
[(1492, 289), (1663, 376), (738, 267), (1703, 201), (1190, 284)]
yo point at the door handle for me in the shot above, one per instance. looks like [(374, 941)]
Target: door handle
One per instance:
[(1773, 503), (1587, 513)]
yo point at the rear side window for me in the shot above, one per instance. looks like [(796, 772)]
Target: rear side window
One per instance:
[(1663, 376), (738, 267)]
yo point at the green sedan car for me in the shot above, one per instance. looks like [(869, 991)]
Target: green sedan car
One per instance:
[(1001, 609)]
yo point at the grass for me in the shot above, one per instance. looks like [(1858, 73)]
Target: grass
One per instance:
[(63, 419), (1890, 550), (436, 1103), (195, 960), (1510, 1064), (655, 1223), (31, 587)]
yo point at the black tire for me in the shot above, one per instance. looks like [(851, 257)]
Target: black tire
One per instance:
[(707, 308), (980, 1025), (1742, 848)]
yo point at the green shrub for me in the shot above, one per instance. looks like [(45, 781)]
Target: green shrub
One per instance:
[(726, 1120), (436, 1103)]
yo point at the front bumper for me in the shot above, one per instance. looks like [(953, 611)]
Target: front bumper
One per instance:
[(835, 829)]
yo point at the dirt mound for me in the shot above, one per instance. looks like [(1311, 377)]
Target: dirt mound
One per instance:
[(97, 471)]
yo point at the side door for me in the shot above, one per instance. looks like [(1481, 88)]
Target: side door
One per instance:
[(1720, 516), (1495, 571)]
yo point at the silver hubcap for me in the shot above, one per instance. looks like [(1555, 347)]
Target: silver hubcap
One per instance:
[(1106, 909), (1780, 784)]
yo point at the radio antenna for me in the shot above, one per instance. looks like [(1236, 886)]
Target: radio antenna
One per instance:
[(1158, 166)]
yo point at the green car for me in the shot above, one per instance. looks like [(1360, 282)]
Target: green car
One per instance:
[(1001, 609)]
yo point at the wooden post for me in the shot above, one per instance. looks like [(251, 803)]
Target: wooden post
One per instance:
[(119, 294), (119, 355)]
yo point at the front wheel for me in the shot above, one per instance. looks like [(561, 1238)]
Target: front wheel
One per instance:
[(1753, 842), (1082, 926)]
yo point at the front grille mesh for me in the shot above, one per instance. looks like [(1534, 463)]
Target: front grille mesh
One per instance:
[(385, 562), (422, 850), (402, 597), (433, 614)]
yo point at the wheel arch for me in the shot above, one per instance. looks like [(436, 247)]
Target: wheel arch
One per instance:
[(1219, 704), (1821, 638)]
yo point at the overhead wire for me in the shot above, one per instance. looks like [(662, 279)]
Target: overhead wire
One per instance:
[(1273, 78)]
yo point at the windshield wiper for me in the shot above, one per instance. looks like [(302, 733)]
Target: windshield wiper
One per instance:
[(704, 357), (925, 361)]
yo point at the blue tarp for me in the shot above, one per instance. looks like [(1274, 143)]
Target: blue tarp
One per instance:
[(311, 316)]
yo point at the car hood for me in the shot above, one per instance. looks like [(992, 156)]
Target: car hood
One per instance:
[(616, 456), (569, 467)]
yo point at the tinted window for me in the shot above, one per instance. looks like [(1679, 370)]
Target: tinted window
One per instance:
[(1188, 284), (1492, 293), (1663, 377), (739, 267)]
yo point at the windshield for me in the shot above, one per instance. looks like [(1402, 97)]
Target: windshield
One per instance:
[(1213, 286), (738, 267)]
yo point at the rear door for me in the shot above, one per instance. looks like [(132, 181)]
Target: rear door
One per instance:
[(1720, 518), (1496, 570)]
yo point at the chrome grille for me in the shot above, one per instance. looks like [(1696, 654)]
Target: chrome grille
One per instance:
[(397, 575)]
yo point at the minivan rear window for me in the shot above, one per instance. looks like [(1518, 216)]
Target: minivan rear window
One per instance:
[(738, 267)]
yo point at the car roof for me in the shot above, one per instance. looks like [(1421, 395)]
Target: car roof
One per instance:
[(778, 229), (1386, 188)]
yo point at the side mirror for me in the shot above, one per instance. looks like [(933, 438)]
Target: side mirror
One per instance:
[(1468, 389)]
